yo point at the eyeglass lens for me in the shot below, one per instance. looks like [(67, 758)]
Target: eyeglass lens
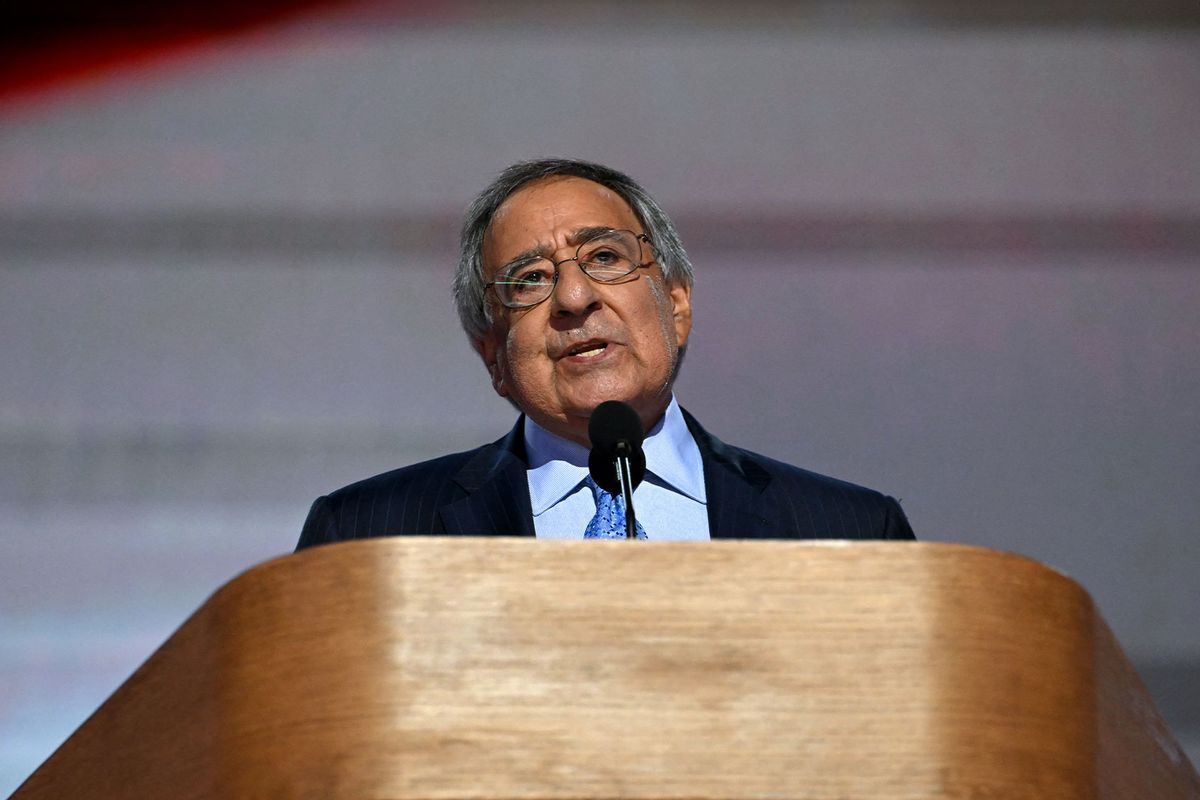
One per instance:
[(605, 258)]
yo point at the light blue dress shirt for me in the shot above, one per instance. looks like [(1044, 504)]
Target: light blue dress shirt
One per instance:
[(670, 503)]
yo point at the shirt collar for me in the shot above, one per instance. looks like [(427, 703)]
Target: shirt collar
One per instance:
[(558, 466)]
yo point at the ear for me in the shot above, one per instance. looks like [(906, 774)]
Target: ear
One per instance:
[(488, 347), (681, 305)]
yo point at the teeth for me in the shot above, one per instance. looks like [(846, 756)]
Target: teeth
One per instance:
[(590, 352)]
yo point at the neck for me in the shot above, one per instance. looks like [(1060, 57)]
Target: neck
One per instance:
[(575, 429)]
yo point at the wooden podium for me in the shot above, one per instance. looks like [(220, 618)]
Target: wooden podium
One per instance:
[(505, 669)]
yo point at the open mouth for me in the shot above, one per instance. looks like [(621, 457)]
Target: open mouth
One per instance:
[(587, 350)]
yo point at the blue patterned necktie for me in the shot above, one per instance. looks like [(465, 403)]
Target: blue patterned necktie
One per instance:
[(609, 522)]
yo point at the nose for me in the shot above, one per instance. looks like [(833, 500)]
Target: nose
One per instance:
[(574, 293)]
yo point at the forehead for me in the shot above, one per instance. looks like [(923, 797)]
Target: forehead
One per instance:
[(546, 212)]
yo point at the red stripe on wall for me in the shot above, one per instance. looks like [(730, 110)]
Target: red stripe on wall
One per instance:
[(44, 48)]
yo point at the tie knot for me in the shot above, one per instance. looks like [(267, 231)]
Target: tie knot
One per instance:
[(609, 521), (590, 482)]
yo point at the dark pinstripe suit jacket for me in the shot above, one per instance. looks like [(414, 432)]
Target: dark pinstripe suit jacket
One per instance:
[(485, 492)]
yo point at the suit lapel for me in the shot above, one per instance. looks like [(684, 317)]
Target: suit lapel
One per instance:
[(496, 501), (497, 492), (735, 485)]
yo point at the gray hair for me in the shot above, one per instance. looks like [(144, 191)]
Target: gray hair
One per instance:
[(476, 314)]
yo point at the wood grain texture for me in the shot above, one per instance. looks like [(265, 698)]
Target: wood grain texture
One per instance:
[(524, 670)]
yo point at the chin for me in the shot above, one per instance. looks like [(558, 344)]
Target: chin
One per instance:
[(585, 401), (645, 405)]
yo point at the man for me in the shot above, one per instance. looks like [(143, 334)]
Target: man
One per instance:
[(574, 288)]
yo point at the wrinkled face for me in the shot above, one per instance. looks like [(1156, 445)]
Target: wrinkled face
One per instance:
[(589, 342)]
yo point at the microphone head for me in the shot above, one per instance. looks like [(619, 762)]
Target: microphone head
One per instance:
[(613, 422), (615, 430)]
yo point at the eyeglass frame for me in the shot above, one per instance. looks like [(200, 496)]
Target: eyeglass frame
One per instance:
[(638, 237)]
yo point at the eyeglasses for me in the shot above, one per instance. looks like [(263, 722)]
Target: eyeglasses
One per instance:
[(606, 257)]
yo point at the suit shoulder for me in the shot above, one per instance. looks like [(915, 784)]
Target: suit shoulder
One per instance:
[(402, 501), (814, 481), (821, 505), (442, 468)]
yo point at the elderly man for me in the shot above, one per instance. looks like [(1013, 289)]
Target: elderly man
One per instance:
[(574, 289)]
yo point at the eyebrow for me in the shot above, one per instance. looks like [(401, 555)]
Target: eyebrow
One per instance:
[(574, 239)]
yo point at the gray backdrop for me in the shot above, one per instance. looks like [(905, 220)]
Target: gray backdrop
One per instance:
[(957, 265)]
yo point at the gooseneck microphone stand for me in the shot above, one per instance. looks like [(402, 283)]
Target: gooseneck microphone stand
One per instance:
[(617, 462), (624, 476)]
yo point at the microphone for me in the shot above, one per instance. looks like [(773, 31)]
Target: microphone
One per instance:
[(617, 462)]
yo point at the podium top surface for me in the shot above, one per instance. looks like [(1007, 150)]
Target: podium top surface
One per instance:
[(510, 668)]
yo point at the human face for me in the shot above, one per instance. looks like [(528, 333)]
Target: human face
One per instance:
[(588, 342)]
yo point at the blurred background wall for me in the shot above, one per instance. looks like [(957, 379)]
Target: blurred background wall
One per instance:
[(948, 253)]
